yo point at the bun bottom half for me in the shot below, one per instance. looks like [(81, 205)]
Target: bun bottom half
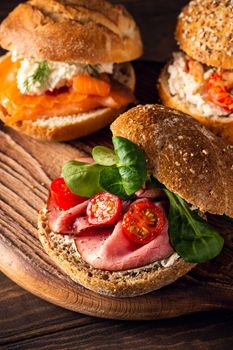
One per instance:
[(69, 127), (127, 283), (220, 126)]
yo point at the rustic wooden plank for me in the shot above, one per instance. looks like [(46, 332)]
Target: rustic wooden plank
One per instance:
[(37, 324), (34, 317)]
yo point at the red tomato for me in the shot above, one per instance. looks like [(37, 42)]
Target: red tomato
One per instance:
[(63, 196), (219, 92), (143, 222), (104, 209)]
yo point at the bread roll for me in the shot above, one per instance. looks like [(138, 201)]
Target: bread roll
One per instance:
[(205, 32), (84, 31), (71, 31), (190, 161)]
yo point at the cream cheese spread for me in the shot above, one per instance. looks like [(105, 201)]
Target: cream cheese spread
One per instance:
[(183, 85), (55, 74)]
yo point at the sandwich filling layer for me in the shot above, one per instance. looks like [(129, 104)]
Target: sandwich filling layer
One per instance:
[(59, 241), (23, 84), (120, 216), (53, 75), (108, 248), (206, 90)]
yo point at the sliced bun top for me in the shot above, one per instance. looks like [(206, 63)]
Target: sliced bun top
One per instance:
[(205, 32), (85, 31), (183, 155)]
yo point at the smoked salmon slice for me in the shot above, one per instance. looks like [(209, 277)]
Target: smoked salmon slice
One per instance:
[(84, 84), (87, 93)]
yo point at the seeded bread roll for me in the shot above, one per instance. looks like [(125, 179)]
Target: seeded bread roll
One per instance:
[(205, 32), (128, 283), (139, 123), (183, 155), (188, 160), (85, 31), (219, 125)]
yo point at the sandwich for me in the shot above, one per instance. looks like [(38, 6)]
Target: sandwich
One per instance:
[(199, 78), (67, 72), (133, 219)]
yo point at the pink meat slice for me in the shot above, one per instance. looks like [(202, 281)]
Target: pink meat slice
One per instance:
[(150, 193), (81, 223), (112, 250), (62, 221)]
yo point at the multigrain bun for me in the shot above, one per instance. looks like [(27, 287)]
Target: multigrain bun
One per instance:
[(204, 31), (127, 283), (219, 125), (86, 31), (74, 126), (183, 155), (188, 160)]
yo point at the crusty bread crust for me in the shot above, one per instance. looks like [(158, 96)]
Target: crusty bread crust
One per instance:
[(86, 31), (204, 31), (128, 283), (72, 127), (182, 154), (220, 126)]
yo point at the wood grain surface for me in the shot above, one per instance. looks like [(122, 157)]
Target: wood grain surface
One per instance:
[(27, 167), (38, 325)]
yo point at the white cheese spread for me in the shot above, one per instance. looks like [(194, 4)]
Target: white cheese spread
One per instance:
[(183, 85), (52, 75)]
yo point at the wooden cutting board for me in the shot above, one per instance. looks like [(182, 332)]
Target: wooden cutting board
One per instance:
[(26, 169)]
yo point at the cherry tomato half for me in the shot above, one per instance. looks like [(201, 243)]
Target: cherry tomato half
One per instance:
[(104, 209), (143, 222), (63, 196)]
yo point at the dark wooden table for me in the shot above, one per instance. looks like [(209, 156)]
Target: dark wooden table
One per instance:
[(27, 322)]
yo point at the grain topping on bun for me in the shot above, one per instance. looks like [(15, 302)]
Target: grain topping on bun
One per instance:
[(205, 32), (183, 155)]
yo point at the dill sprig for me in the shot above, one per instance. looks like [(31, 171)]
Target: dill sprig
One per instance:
[(40, 75), (92, 69)]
